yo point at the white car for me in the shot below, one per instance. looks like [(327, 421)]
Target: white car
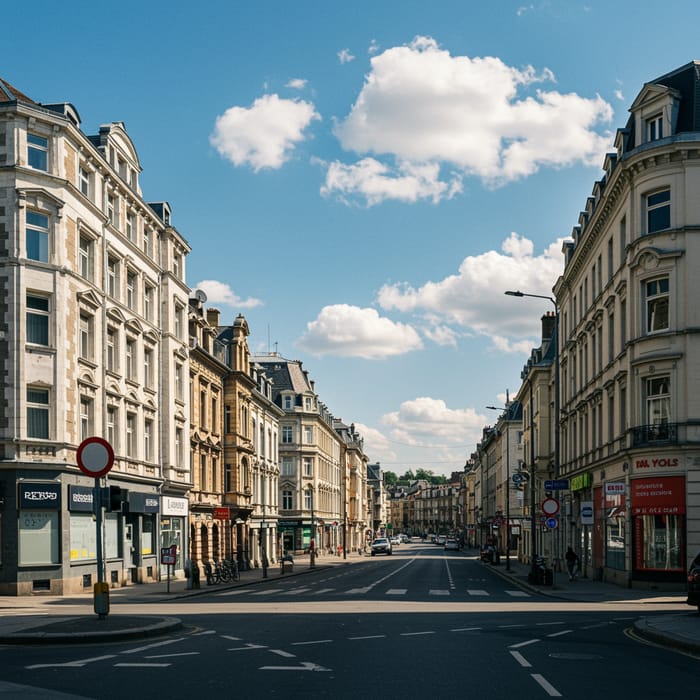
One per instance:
[(380, 546), (404, 538), (396, 540)]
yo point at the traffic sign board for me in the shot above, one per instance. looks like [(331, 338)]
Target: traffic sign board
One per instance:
[(551, 523), (556, 485), (550, 506), (517, 478), (95, 457)]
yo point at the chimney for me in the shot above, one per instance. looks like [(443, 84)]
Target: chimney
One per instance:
[(548, 321), (213, 317)]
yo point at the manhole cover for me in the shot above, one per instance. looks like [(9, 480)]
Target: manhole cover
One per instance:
[(575, 657)]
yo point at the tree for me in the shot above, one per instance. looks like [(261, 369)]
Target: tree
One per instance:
[(390, 478), (408, 476)]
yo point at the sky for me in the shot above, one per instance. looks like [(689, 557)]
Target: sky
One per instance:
[(364, 180)]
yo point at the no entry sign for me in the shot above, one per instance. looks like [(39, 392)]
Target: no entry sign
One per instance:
[(95, 457)]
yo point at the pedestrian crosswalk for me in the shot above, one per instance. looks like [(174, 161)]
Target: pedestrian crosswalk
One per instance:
[(390, 592)]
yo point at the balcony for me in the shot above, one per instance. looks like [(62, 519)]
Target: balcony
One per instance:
[(659, 434)]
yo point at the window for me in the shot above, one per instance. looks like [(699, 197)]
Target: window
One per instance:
[(287, 500), (130, 351), (148, 302), (113, 277), (113, 210), (178, 321), (288, 466), (611, 262), (308, 435), (308, 499), (37, 413), (37, 152), (657, 305), (113, 427), (623, 238), (86, 256), (227, 419), (37, 320), (130, 227), (37, 230), (307, 403), (179, 387), (148, 440), (131, 435), (658, 401), (148, 368), (203, 409), (148, 242), (228, 478), (86, 331), (86, 418), (623, 323), (308, 466), (203, 472), (177, 265), (84, 181), (112, 350), (658, 207), (214, 414), (655, 128), (287, 434), (179, 447), (611, 337), (287, 403), (131, 290)]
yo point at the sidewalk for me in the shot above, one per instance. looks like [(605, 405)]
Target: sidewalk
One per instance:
[(63, 620)]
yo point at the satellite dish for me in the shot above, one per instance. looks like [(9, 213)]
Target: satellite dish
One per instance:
[(200, 296)]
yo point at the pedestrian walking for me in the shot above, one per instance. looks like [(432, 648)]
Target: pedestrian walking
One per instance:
[(572, 562)]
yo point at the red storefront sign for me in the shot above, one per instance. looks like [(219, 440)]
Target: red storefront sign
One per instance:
[(658, 496), (222, 513)]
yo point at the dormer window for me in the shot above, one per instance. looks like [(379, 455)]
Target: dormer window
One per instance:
[(37, 152), (655, 128)]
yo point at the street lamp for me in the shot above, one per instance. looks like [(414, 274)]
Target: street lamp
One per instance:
[(555, 338), (312, 548), (507, 417)]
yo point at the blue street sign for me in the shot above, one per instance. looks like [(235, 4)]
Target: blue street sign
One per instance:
[(517, 478), (551, 523), (556, 485)]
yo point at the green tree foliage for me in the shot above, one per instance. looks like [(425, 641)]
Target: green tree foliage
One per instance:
[(390, 478)]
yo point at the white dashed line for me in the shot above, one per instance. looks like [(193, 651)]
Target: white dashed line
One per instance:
[(523, 644), (546, 685), (414, 634), (316, 641), (286, 654), (521, 659), (438, 591), (559, 634), (477, 591), (369, 636), (397, 591)]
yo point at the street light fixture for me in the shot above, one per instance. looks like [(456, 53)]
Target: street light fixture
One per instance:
[(506, 408), (518, 293)]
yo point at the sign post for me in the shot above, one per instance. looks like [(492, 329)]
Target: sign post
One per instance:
[(95, 458), (168, 556)]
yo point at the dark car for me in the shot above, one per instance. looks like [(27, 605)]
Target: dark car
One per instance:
[(380, 546), (694, 583)]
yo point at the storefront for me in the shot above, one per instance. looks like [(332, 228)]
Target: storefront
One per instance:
[(173, 529)]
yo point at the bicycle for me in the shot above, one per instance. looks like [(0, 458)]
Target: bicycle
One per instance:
[(229, 570)]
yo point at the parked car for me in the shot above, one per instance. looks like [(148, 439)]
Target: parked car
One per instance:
[(404, 538), (395, 540), (694, 583), (380, 546), (441, 539), (451, 543)]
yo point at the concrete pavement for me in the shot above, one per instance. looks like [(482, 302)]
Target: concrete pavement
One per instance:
[(64, 620)]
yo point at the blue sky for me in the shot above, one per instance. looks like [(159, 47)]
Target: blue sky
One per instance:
[(364, 180)]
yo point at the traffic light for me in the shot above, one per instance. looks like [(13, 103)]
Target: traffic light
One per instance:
[(115, 499)]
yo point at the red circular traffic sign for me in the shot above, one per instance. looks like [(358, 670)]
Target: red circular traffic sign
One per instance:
[(95, 457), (550, 506)]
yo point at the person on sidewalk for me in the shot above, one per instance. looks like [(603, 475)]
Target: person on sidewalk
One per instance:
[(572, 562)]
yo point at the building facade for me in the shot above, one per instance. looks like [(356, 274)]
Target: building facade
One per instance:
[(93, 342), (630, 351)]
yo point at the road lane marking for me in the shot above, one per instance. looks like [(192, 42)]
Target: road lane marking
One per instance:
[(356, 591), (233, 639), (369, 636), (73, 664), (123, 664), (155, 645), (477, 591), (524, 644), (465, 629), (546, 685), (170, 656), (305, 666), (286, 654), (269, 591), (415, 634), (325, 590), (315, 641), (296, 591), (509, 627), (518, 594), (559, 634), (549, 624), (247, 647), (438, 591), (397, 591), (521, 659)]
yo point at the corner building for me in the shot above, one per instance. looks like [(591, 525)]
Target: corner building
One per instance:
[(630, 348), (93, 342)]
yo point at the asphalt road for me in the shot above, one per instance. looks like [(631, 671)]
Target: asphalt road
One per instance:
[(420, 623)]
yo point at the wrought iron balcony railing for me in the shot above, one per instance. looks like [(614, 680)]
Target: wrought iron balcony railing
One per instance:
[(659, 433)]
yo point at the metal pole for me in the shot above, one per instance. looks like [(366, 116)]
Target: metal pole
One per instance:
[(312, 550), (507, 481)]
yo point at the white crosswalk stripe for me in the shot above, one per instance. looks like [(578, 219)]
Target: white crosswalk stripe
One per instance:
[(475, 591), (438, 591), (397, 591), (518, 594), (296, 591)]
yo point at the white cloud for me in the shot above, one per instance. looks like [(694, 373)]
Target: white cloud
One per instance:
[(376, 444), (425, 421), (474, 297), (263, 135), (374, 182), (421, 105), (344, 56), (349, 331), (373, 47), (221, 293), (297, 83)]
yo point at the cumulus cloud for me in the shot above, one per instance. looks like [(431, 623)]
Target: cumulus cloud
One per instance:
[(474, 298), (479, 116), (373, 47), (376, 443), (221, 293), (297, 83), (344, 56), (373, 182), (425, 421), (349, 331), (264, 134)]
